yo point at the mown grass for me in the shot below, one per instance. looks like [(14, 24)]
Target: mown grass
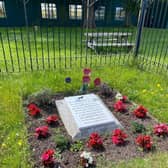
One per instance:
[(141, 87)]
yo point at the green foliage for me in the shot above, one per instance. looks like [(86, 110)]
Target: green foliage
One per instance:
[(129, 81), (77, 146), (61, 142), (138, 128), (106, 90), (42, 97), (132, 6)]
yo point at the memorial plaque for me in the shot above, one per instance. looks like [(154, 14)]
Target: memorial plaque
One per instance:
[(85, 114)]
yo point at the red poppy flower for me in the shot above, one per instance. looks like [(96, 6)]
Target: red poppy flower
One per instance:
[(118, 137), (33, 109), (52, 119), (87, 71), (86, 79), (41, 132), (140, 112), (97, 82), (48, 157), (120, 106), (144, 141)]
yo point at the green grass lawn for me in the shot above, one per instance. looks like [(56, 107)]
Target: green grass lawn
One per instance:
[(50, 48), (139, 86)]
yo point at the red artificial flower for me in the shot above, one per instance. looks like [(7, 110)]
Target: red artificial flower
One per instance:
[(48, 158), (52, 119), (33, 110), (86, 79), (124, 99), (120, 106), (118, 137), (41, 132), (87, 71), (97, 82), (140, 112), (144, 141), (95, 141), (161, 129)]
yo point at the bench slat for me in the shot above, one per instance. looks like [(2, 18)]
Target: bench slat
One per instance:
[(106, 34), (111, 44)]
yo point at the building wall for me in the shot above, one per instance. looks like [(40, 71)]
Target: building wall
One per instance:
[(15, 13)]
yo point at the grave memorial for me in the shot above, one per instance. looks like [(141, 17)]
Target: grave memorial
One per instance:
[(85, 114)]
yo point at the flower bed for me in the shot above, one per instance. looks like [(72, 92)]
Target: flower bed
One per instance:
[(71, 159), (51, 146)]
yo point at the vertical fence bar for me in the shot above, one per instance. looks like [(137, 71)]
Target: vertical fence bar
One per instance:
[(23, 50), (4, 54), (148, 36), (81, 37), (35, 45), (28, 35), (16, 47), (144, 44), (42, 51), (87, 3), (59, 46), (151, 49), (140, 25), (160, 35), (10, 50), (53, 38)]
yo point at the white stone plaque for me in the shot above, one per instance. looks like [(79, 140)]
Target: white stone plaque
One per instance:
[(85, 114)]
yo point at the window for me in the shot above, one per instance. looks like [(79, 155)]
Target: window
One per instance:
[(100, 13), (48, 11), (75, 12), (2, 10), (120, 13)]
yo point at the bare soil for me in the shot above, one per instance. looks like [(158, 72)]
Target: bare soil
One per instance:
[(111, 152)]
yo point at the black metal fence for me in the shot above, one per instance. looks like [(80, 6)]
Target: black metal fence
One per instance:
[(93, 33)]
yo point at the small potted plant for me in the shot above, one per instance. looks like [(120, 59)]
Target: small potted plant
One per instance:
[(48, 158), (42, 132), (33, 110), (140, 112), (95, 141), (145, 142), (118, 137), (119, 106), (85, 80), (161, 129), (52, 120)]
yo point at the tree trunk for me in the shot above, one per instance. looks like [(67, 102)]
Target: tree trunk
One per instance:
[(89, 15), (128, 19)]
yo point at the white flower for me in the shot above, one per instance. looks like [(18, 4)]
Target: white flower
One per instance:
[(87, 156), (118, 96), (83, 154), (90, 160)]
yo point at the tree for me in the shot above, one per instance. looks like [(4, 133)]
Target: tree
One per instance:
[(131, 8), (89, 14)]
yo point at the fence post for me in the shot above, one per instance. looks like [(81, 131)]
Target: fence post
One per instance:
[(141, 20)]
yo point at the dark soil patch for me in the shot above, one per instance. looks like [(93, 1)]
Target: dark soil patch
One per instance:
[(111, 152)]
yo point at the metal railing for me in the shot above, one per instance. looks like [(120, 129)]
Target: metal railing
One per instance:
[(107, 34)]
